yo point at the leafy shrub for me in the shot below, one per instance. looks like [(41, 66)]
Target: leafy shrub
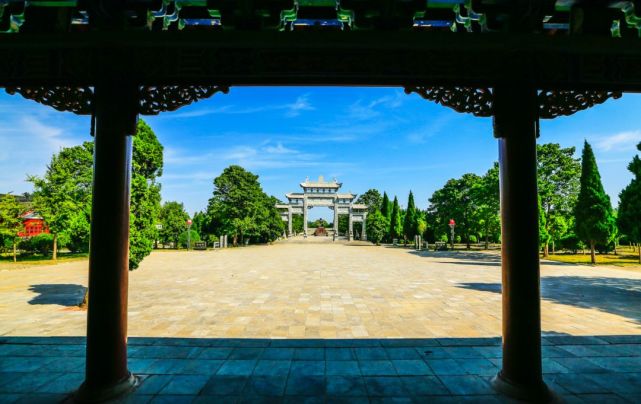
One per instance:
[(182, 239), (41, 244)]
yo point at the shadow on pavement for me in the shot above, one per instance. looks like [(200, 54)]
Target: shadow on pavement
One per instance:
[(620, 296), (63, 294)]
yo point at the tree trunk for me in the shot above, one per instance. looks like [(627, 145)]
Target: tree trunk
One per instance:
[(553, 249), (592, 255), (54, 255), (85, 300), (546, 250), (235, 243), (14, 251), (487, 241)]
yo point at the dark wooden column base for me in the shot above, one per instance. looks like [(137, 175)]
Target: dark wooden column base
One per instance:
[(87, 394), (538, 393)]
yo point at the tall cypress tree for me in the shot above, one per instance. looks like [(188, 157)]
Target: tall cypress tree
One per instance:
[(629, 219), (593, 212), (396, 226), (385, 206), (386, 211), (409, 224)]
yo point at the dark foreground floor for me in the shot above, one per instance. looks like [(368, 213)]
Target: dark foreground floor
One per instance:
[(183, 370)]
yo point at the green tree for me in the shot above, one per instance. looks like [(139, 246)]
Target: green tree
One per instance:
[(456, 200), (409, 221), (10, 221), (593, 212), (63, 196), (147, 164), (240, 207), (396, 223), (629, 218), (386, 210), (376, 226), (371, 198), (297, 223), (199, 225), (558, 174), (485, 194), (173, 219)]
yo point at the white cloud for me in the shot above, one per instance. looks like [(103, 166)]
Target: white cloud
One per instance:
[(362, 110), (279, 149), (292, 109), (619, 142), (301, 104)]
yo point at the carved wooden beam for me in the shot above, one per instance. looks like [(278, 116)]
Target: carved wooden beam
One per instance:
[(153, 100)]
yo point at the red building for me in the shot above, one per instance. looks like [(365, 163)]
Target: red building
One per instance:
[(33, 223)]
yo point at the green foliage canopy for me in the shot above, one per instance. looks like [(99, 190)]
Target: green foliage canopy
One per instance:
[(396, 223), (629, 215), (376, 226), (239, 207), (411, 215), (10, 220), (372, 198), (147, 166), (173, 218)]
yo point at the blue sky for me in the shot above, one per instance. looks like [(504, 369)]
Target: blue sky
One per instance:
[(367, 137)]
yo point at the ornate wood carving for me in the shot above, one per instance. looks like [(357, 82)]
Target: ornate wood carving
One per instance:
[(73, 99), (478, 101), (565, 102), (153, 100)]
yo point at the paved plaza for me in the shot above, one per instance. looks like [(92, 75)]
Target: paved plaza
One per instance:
[(317, 289), (310, 321)]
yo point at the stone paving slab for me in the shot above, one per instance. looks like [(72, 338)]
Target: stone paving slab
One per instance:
[(324, 290), (322, 323), (325, 371)]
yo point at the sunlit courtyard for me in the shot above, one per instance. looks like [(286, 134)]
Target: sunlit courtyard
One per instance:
[(318, 289), (310, 319)]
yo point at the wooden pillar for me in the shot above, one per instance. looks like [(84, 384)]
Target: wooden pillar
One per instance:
[(107, 376), (516, 127)]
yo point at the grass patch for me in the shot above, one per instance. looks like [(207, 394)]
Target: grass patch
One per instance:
[(30, 260), (626, 257)]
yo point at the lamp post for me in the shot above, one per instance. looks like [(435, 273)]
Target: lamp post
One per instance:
[(188, 234), (452, 225)]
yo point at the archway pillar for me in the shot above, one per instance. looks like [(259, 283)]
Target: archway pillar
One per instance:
[(305, 216), (106, 373), (516, 127), (364, 228)]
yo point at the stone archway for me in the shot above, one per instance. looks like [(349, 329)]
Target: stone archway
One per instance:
[(324, 193)]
